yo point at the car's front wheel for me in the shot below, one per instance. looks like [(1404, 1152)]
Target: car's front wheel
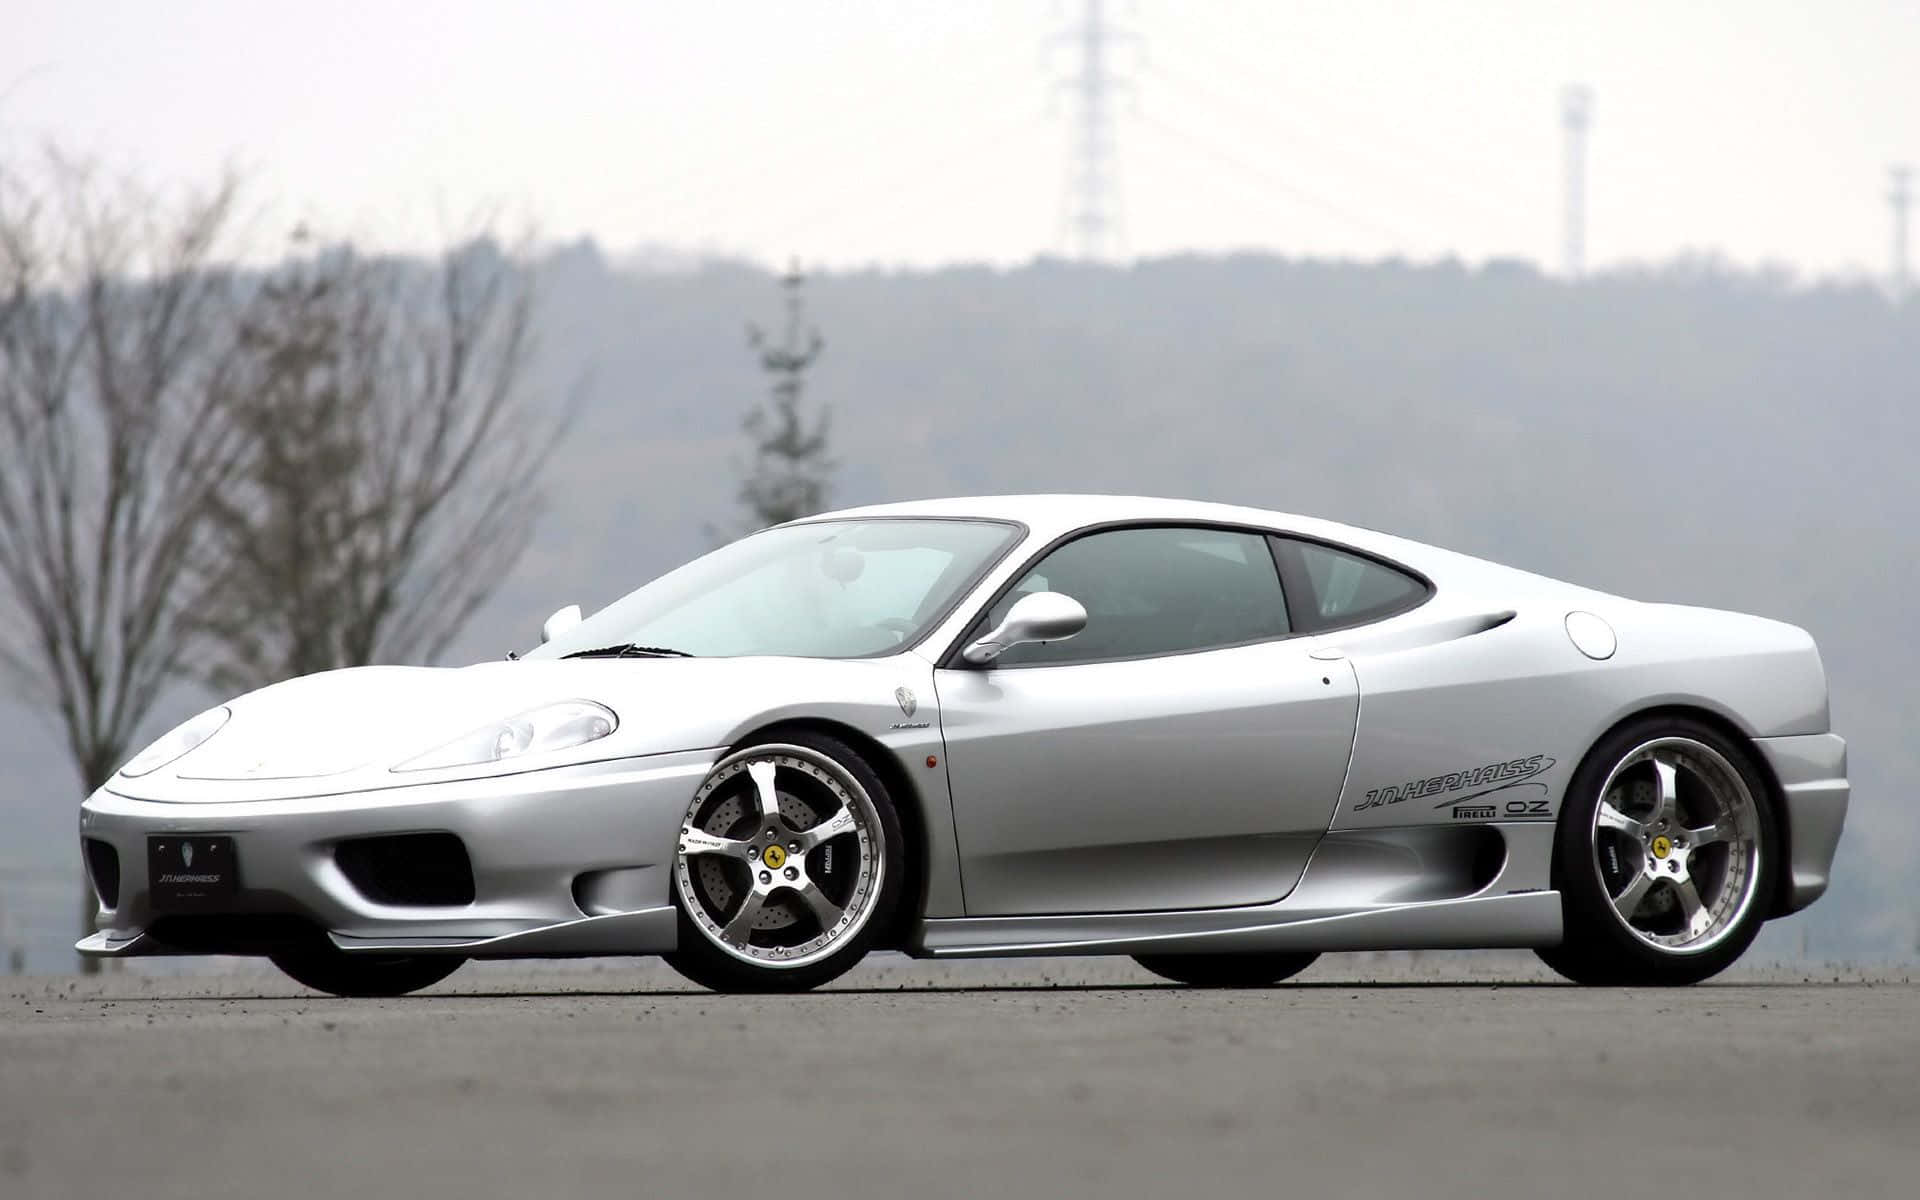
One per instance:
[(325, 969), (789, 866), (1664, 857)]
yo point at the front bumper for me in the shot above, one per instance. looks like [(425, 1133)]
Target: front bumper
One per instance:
[(1812, 772), (573, 860)]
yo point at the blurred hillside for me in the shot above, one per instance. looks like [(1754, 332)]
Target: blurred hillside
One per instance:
[(1686, 434)]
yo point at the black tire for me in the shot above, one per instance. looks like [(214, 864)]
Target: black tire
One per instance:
[(1226, 970), (325, 969), (701, 960), (1599, 948)]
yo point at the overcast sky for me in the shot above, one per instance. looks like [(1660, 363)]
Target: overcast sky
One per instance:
[(915, 131)]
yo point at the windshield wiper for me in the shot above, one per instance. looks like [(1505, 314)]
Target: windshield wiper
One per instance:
[(629, 650)]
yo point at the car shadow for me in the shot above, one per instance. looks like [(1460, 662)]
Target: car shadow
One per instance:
[(980, 989)]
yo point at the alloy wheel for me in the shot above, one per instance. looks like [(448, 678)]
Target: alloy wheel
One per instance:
[(1676, 844), (780, 859)]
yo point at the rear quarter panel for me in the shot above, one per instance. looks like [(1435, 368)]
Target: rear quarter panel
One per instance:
[(1492, 726)]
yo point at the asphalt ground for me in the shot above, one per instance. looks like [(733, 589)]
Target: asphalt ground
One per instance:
[(1440, 1076)]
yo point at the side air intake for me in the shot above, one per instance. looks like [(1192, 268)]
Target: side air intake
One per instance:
[(416, 870), (103, 867)]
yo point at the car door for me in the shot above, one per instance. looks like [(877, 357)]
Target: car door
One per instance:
[(1182, 752)]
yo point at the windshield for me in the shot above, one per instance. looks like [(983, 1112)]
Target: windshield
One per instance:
[(826, 589)]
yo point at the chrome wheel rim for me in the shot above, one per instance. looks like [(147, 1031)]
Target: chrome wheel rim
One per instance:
[(780, 858), (1676, 845)]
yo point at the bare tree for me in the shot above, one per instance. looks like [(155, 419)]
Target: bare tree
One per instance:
[(394, 457), (111, 320), (791, 473)]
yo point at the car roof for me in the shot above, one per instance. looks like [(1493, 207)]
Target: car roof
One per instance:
[(1050, 515)]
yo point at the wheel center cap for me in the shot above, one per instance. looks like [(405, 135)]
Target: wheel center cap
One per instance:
[(775, 856), (1662, 846)]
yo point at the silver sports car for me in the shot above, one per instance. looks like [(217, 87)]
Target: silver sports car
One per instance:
[(1219, 740)]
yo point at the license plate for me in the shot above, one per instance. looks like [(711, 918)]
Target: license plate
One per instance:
[(191, 872)]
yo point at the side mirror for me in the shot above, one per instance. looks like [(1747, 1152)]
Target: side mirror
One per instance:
[(560, 622), (1041, 617)]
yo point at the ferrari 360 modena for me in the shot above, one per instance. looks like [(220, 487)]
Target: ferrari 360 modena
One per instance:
[(1218, 740)]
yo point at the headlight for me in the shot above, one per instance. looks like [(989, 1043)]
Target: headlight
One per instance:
[(183, 738), (559, 726)]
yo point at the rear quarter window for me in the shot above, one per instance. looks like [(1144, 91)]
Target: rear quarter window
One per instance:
[(1344, 588)]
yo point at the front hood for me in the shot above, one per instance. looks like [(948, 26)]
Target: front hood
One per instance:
[(343, 731), (337, 721)]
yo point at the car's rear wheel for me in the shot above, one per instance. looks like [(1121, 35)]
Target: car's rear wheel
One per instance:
[(325, 969), (789, 866), (1664, 858), (1226, 970)]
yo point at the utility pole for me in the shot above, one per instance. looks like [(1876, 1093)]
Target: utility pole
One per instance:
[(1092, 205), (1576, 114), (1900, 196)]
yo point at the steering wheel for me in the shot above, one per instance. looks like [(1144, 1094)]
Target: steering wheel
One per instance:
[(899, 626)]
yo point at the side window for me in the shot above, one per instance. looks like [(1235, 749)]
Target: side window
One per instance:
[(1348, 589), (1155, 591)]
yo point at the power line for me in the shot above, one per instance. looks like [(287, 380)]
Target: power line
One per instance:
[(1263, 95), (1093, 224), (928, 167), (1576, 114), (735, 195), (1342, 213), (1382, 165)]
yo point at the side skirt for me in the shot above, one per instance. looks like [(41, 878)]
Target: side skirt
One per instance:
[(1385, 889)]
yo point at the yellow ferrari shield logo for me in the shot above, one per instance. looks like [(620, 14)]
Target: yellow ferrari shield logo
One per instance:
[(774, 857), (1662, 846)]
